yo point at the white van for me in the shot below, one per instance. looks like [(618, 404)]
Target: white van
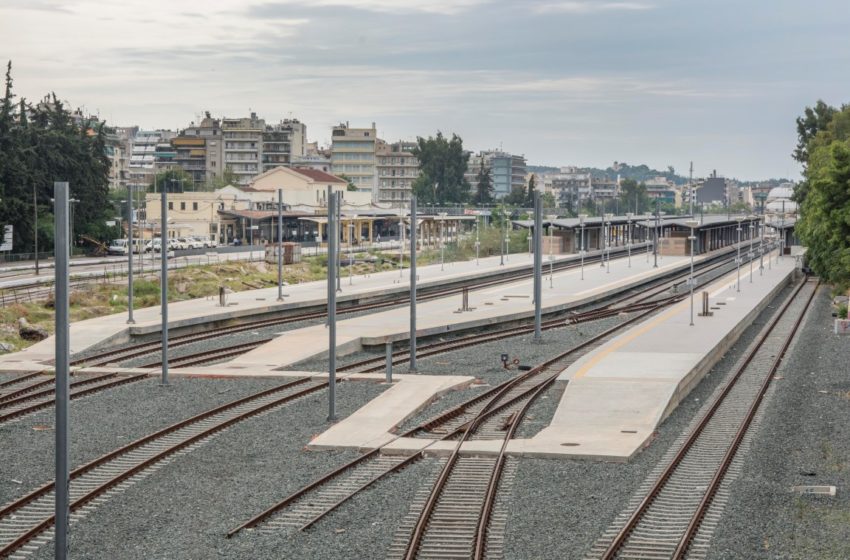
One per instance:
[(119, 247)]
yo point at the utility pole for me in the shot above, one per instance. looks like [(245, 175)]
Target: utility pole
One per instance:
[(655, 243), (35, 224), (130, 255), (691, 187), (333, 240), (412, 360), (163, 251), (538, 266), (62, 510), (280, 245)]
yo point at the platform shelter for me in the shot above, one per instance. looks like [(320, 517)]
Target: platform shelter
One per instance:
[(712, 232)]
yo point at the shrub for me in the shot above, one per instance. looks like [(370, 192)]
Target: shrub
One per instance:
[(842, 311)]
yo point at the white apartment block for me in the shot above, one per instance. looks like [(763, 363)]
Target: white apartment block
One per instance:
[(397, 169), (243, 146), (353, 153)]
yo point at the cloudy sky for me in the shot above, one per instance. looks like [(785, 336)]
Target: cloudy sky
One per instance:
[(582, 82)]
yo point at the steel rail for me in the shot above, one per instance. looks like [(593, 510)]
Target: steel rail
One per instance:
[(726, 462), (621, 537), (47, 522)]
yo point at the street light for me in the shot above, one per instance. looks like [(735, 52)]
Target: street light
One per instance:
[(581, 218), (629, 217), (739, 219), (477, 242), (442, 239), (608, 240), (351, 228), (655, 241), (761, 245), (691, 281), (752, 238), (551, 218)]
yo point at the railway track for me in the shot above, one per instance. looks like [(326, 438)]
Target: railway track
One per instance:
[(489, 413), (676, 510), (27, 522), (41, 395), (632, 303), (138, 350)]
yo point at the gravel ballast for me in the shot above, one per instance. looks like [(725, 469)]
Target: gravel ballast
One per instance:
[(560, 507), (802, 441), (105, 421)]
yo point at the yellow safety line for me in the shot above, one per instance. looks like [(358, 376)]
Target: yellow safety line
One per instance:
[(638, 331)]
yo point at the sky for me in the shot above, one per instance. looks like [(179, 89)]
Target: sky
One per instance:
[(564, 82)]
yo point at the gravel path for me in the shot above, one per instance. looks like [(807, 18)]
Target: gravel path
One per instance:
[(560, 507), (185, 508), (763, 518), (129, 411)]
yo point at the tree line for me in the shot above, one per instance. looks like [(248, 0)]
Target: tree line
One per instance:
[(41, 143), (823, 148)]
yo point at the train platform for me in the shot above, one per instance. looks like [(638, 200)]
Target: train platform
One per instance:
[(207, 312), (497, 304), (616, 396)]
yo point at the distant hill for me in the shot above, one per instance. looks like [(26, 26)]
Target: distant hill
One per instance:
[(643, 173)]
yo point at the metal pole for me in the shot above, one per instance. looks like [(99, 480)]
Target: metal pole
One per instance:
[(538, 266), (130, 255), (691, 282), (332, 287), (630, 241), (163, 246), (761, 247), (412, 284), (35, 225), (738, 260), (581, 252), (401, 245), (750, 252), (280, 245), (389, 361), (62, 361), (338, 244), (477, 242), (655, 241), (350, 253), (551, 262)]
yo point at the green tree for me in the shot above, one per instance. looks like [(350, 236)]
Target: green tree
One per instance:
[(227, 177), (529, 192), (174, 180), (633, 196), (813, 120), (483, 186), (824, 223), (351, 187), (517, 197), (442, 163)]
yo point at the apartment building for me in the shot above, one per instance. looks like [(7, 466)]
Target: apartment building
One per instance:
[(282, 143), (353, 153), (397, 169), (143, 156), (209, 130), (243, 146), (507, 171)]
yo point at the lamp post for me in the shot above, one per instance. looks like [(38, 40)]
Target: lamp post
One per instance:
[(750, 253), (442, 239), (761, 245), (507, 241), (691, 281), (781, 232), (739, 219), (130, 319), (551, 218), (35, 225), (72, 201), (477, 242), (629, 217), (401, 244), (655, 241), (608, 241), (581, 218), (351, 228)]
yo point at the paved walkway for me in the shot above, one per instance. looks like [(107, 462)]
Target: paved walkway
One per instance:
[(113, 328), (491, 305)]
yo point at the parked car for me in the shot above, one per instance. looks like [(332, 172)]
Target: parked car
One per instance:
[(195, 243), (179, 243), (154, 245), (207, 241), (119, 247)]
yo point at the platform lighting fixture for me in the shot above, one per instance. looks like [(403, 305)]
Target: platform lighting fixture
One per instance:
[(608, 240), (507, 238), (442, 239), (761, 244), (581, 218), (629, 217), (477, 241), (692, 281), (351, 227), (739, 219), (781, 231), (750, 254), (551, 218)]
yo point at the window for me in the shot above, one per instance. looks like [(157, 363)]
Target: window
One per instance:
[(182, 205), (195, 206), (171, 206)]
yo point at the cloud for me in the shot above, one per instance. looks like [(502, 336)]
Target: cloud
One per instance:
[(442, 7), (591, 6)]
